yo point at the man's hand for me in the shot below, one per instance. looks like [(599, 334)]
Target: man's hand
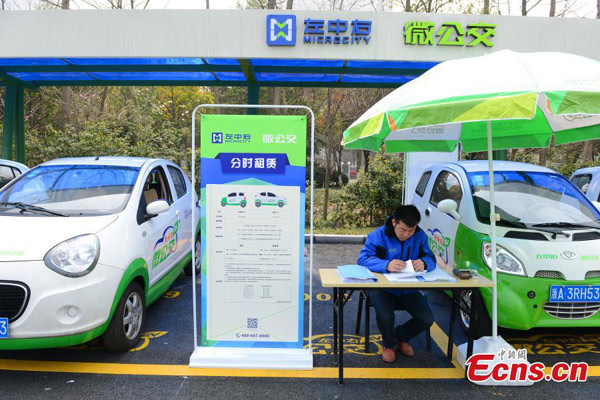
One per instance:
[(418, 265), (396, 266)]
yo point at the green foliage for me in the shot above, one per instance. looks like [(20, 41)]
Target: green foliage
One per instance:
[(320, 177), (366, 202)]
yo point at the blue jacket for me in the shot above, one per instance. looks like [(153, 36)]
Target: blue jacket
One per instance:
[(383, 246)]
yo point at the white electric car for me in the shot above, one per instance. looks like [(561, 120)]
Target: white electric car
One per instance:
[(588, 181), (269, 199), (548, 234), (86, 244), (9, 170)]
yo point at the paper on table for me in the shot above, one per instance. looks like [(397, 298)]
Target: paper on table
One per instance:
[(408, 269), (402, 277), (408, 274), (438, 275)]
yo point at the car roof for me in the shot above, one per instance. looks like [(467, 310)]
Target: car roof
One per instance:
[(482, 166), (103, 160), (588, 170), (15, 164)]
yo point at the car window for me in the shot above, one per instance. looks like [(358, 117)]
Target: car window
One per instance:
[(271, 195), (178, 181), (422, 185), (75, 189), (240, 194), (156, 186), (6, 175), (263, 194), (16, 172), (446, 186), (231, 195), (582, 182)]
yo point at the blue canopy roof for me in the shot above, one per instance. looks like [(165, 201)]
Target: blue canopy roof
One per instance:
[(208, 72)]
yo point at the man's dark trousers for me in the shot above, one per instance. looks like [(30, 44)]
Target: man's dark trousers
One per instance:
[(385, 303)]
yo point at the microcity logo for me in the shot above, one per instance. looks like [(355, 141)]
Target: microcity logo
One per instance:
[(281, 30), (217, 137), (568, 255)]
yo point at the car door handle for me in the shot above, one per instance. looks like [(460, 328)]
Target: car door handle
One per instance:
[(427, 211)]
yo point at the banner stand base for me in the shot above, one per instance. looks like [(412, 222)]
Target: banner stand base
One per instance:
[(251, 358)]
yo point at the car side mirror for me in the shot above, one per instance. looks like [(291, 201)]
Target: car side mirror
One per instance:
[(155, 208), (449, 206), (596, 204)]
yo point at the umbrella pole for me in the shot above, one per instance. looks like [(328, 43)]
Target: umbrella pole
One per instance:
[(492, 232)]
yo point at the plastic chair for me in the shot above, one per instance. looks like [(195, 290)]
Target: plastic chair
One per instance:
[(362, 298)]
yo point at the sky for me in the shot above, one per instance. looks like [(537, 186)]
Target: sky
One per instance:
[(580, 8)]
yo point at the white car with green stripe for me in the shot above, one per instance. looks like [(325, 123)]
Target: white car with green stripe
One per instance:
[(269, 199), (86, 244), (548, 241)]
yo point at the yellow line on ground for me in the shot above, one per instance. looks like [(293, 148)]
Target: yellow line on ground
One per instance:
[(184, 370), (441, 339)]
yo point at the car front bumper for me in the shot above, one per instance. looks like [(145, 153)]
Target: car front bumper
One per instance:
[(516, 310), (58, 305)]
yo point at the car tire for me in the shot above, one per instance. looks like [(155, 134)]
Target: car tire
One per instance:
[(280, 204), (223, 204), (257, 204), (482, 322), (125, 328), (243, 204), (197, 249)]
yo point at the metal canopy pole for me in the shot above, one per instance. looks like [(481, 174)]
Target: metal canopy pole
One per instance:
[(253, 94), (19, 132), (8, 127), (13, 129)]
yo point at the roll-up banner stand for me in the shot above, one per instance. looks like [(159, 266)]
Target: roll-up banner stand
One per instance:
[(253, 180)]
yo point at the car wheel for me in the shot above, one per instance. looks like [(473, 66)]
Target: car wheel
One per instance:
[(223, 204), (280, 204), (482, 325), (257, 204), (125, 328), (197, 254), (243, 204)]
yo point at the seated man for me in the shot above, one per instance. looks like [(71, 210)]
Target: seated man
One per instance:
[(387, 249)]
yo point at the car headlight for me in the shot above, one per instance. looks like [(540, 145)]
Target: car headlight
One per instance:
[(505, 261), (74, 257)]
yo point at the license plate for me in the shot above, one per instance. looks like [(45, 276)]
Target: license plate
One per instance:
[(3, 328), (574, 294)]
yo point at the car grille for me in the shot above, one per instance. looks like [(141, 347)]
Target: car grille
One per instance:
[(549, 274), (571, 310), (13, 299), (592, 274)]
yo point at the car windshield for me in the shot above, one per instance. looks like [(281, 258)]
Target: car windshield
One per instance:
[(72, 189), (531, 198)]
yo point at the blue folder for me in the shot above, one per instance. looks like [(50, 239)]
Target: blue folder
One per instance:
[(355, 273)]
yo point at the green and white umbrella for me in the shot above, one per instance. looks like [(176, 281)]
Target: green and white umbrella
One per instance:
[(527, 96), (497, 101)]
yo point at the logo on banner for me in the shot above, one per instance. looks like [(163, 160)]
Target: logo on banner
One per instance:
[(217, 137), (281, 30)]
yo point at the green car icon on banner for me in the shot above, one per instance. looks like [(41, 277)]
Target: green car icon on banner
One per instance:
[(234, 199), (269, 199)]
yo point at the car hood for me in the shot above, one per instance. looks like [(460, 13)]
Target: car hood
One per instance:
[(29, 238)]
